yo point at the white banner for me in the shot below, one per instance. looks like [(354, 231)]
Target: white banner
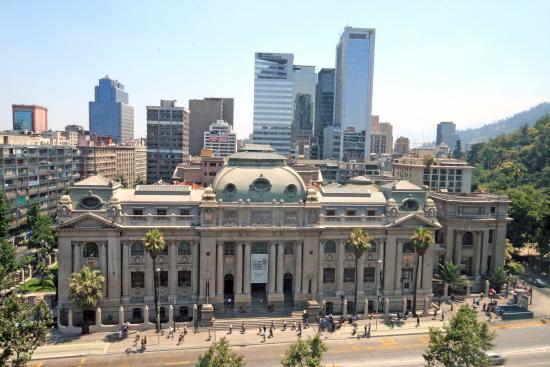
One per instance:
[(258, 268)]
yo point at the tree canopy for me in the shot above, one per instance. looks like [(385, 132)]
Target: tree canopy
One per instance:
[(305, 353), (462, 342), (5, 215), (219, 355), (43, 236), (86, 287), (154, 242), (450, 273)]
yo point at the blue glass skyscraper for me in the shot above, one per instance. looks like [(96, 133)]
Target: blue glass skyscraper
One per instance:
[(353, 90), (110, 114)]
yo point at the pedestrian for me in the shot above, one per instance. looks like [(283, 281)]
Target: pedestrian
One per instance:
[(293, 325), (209, 335), (284, 325), (435, 313), (484, 306), (271, 332), (263, 335), (180, 338), (243, 328), (136, 339), (392, 323), (265, 329), (417, 321), (185, 329), (272, 324), (442, 316), (260, 330), (120, 333), (144, 342), (365, 330), (230, 328)]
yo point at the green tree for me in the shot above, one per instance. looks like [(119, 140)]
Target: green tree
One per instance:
[(43, 236), (422, 240), (8, 279), (33, 212), (305, 353), (450, 273), (5, 215), (86, 288), (457, 151), (23, 328), (512, 266), (155, 245), (219, 355), (7, 255), (498, 277), (529, 208), (360, 242), (463, 342)]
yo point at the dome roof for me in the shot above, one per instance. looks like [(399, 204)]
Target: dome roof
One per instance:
[(391, 201), (263, 184)]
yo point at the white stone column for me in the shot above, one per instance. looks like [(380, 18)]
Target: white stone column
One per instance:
[(427, 268), (345, 309), (398, 262), (320, 269), (458, 247), (298, 268), (219, 270), (389, 274), (272, 259), (125, 273), (149, 274), (246, 280), (386, 307), (360, 276), (114, 261), (280, 267), (195, 271), (121, 315), (239, 269), (477, 253), (484, 251), (77, 258), (449, 244), (340, 247), (366, 309), (103, 258), (404, 305), (172, 272)]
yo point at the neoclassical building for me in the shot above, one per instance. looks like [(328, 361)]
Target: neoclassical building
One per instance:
[(259, 236)]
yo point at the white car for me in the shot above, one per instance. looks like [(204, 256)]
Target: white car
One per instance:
[(495, 359)]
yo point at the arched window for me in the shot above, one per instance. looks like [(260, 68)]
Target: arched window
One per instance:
[(91, 250), (410, 205), (330, 247), (184, 248), (408, 248), (467, 239), (137, 249)]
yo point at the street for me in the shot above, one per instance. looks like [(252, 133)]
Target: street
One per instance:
[(522, 345)]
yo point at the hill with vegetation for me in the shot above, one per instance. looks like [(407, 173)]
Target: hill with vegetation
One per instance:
[(518, 165), (505, 126)]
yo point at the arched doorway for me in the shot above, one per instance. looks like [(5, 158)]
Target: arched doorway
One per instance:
[(287, 288), (228, 289)]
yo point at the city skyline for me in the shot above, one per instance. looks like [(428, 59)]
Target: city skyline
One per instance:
[(421, 77)]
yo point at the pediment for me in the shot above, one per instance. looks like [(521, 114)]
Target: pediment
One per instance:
[(414, 221), (88, 221)]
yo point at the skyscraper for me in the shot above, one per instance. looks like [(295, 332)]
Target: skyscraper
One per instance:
[(110, 114), (304, 82), (273, 100), (353, 88), (167, 139), (446, 133), (30, 117), (324, 109), (401, 146), (202, 114)]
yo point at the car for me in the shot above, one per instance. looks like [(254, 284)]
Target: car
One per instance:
[(539, 283), (495, 359)]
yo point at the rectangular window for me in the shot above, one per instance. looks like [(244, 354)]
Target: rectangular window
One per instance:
[(163, 278), (161, 211), (229, 249), (328, 275), (349, 275), (185, 211), (138, 211), (371, 213), (137, 279), (331, 212), (350, 212), (184, 278), (490, 239), (493, 210), (368, 274)]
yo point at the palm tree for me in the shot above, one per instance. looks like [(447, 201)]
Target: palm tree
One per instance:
[(154, 245), (428, 162), (360, 241), (450, 274), (86, 287), (422, 240), (498, 277)]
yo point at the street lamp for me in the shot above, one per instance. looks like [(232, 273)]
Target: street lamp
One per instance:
[(157, 305)]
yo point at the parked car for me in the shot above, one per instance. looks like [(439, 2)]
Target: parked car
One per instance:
[(495, 359), (539, 283)]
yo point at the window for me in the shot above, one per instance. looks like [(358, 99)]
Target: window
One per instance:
[(350, 212), (408, 248), (410, 205), (161, 211), (138, 211), (229, 249), (331, 212), (163, 278), (137, 279), (490, 236), (349, 248), (136, 314), (184, 278), (330, 247), (372, 247), (185, 211), (328, 275), (137, 249), (467, 239), (91, 250), (164, 250), (368, 274), (371, 213), (493, 210), (289, 248), (349, 275), (406, 277), (184, 248), (466, 265)]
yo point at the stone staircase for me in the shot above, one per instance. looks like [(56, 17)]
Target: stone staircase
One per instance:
[(253, 323)]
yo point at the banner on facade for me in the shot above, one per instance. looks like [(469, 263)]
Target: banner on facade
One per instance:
[(258, 268)]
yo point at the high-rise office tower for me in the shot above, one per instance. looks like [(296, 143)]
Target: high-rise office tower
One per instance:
[(273, 100), (305, 80), (446, 133), (167, 139), (402, 146), (110, 114), (30, 117), (202, 114), (353, 89), (381, 136), (324, 109)]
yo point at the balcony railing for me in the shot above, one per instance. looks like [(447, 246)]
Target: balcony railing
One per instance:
[(365, 220), (159, 220)]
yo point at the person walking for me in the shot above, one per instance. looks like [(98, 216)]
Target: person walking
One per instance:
[(392, 323), (284, 325), (417, 321), (263, 335), (136, 339), (442, 316), (272, 324), (265, 329), (180, 338), (271, 332), (230, 328), (260, 330), (435, 313), (293, 325), (243, 328), (144, 342)]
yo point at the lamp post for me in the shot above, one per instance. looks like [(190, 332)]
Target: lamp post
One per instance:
[(157, 305)]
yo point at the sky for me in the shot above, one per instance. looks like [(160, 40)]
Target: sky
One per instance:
[(465, 61)]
